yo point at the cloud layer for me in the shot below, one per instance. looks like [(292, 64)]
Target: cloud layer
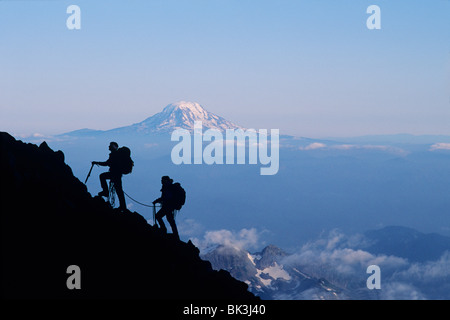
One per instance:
[(342, 260), (335, 258)]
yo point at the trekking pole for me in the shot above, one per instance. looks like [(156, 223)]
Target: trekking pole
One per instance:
[(89, 174), (154, 215)]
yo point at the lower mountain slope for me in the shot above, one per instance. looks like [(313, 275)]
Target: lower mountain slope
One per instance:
[(49, 222)]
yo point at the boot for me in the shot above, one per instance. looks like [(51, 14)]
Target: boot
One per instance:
[(103, 194)]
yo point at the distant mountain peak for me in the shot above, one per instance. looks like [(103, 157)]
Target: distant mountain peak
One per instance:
[(182, 115), (177, 115), (188, 106)]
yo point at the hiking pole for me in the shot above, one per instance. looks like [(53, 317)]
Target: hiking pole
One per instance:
[(154, 215), (89, 174)]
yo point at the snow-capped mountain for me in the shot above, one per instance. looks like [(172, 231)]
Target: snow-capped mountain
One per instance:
[(182, 115), (268, 277), (178, 115)]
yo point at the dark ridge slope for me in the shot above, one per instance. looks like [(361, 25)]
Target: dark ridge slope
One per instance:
[(49, 221)]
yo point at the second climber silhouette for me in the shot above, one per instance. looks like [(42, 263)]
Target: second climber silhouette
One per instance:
[(167, 206)]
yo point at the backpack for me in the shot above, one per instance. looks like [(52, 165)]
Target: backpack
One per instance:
[(124, 162), (179, 196)]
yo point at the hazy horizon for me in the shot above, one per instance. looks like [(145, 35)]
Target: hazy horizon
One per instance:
[(50, 134)]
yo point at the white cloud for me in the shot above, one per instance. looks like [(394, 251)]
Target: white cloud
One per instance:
[(39, 135), (243, 239), (333, 258), (343, 262), (400, 291), (314, 146), (390, 149), (440, 146), (38, 138), (428, 272), (340, 259), (345, 146)]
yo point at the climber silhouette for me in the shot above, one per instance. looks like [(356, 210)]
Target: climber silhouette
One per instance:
[(114, 174), (167, 206)]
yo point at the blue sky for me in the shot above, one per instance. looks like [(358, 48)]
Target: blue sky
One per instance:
[(310, 68)]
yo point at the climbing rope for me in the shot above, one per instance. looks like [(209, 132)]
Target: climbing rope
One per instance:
[(175, 212), (145, 205), (112, 194), (142, 204)]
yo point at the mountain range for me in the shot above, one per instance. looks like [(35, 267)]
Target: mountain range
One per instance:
[(408, 259), (406, 243), (183, 115), (268, 277)]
